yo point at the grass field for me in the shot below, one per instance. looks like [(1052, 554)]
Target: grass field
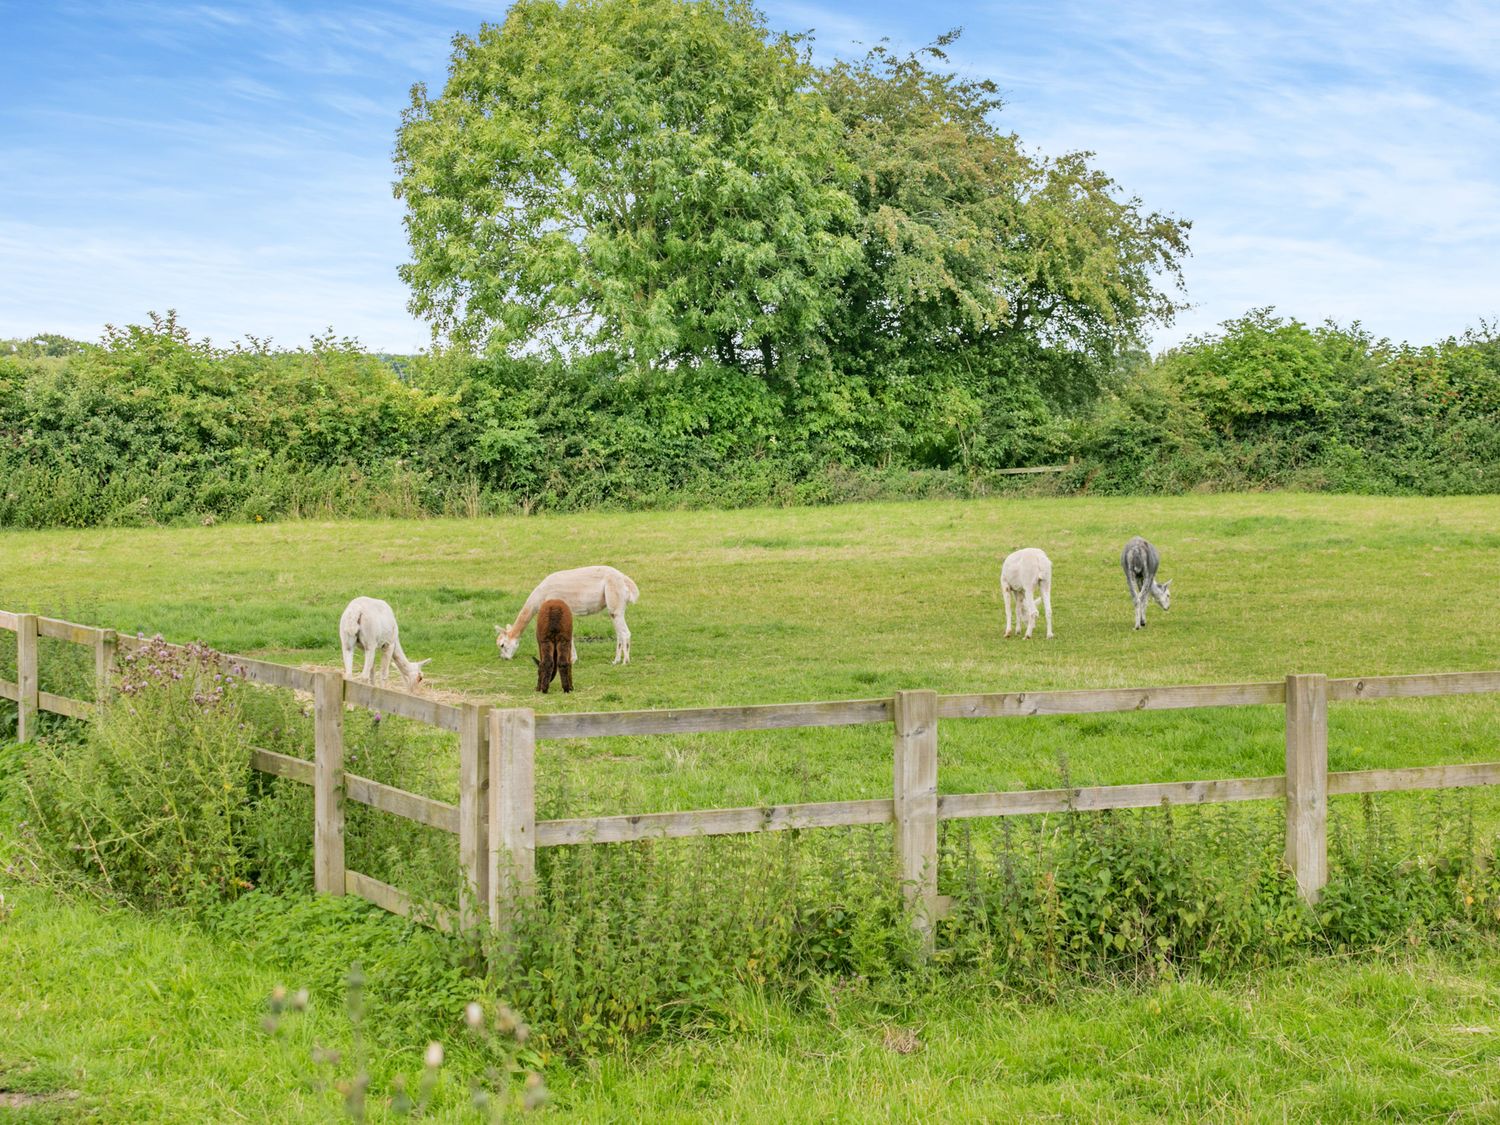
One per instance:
[(851, 602)]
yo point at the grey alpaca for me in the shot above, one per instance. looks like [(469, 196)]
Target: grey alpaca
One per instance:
[(1140, 560)]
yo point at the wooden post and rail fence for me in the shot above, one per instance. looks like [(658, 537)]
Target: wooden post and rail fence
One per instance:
[(495, 818)]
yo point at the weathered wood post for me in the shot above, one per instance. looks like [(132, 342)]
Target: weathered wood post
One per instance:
[(1307, 783), (512, 859), (105, 641), (28, 697), (916, 807), (328, 783), (473, 813)]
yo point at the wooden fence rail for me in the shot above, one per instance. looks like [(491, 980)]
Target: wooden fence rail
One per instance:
[(495, 818)]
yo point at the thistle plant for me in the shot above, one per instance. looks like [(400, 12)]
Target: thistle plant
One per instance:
[(493, 1098)]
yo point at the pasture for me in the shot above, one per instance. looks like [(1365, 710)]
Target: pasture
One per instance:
[(849, 602)]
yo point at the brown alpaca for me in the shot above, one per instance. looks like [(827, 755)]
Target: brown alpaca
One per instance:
[(554, 644)]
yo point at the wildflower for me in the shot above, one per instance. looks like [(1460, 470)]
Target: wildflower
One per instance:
[(536, 1091)]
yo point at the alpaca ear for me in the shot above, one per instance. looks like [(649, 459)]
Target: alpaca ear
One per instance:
[(499, 629), (1167, 585), (420, 664)]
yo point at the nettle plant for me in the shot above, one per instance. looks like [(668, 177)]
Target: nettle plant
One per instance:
[(151, 809)]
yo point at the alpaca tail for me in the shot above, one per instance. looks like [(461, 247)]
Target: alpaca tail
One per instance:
[(632, 591), (546, 666)]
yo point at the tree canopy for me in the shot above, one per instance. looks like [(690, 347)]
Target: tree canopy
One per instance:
[(667, 182)]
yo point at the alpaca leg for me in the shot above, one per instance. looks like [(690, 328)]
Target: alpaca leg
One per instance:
[(364, 673), (1005, 597), (546, 659), (1047, 605), (1028, 611), (348, 646), (566, 672), (614, 601), (385, 664)]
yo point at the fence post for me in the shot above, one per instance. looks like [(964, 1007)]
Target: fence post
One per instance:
[(512, 859), (473, 813), (328, 783), (26, 676), (105, 641), (1307, 783), (916, 807)]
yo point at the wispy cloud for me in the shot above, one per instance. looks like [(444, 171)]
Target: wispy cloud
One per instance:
[(233, 159)]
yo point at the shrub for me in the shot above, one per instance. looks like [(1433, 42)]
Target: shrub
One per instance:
[(150, 807)]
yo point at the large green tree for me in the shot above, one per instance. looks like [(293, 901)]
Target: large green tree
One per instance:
[(670, 183), (652, 178), (971, 245)]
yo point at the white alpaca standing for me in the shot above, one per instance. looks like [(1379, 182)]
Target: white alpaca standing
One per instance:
[(371, 624), (586, 589), (1022, 573)]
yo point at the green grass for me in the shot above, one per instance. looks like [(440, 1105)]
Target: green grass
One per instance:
[(850, 602), (853, 602), (147, 1020)]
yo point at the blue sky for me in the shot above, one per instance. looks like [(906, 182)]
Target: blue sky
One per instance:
[(232, 160)]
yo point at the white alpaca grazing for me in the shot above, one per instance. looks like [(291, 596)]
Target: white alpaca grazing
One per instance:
[(1022, 573), (588, 589), (371, 624)]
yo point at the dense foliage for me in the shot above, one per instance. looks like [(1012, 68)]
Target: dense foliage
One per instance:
[(672, 191), (151, 426)]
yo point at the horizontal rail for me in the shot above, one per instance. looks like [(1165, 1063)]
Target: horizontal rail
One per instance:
[(712, 822), (694, 720), (1032, 469), (960, 806), (395, 900), (64, 705), (445, 716), (61, 630), (271, 674), (1414, 687), (1103, 701), (9, 690), (1414, 777), (9, 620), (412, 806), (282, 765)]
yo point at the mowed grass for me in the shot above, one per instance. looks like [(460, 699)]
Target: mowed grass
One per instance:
[(857, 602), (147, 1018)]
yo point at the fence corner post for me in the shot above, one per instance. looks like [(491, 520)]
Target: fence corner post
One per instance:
[(28, 699), (1307, 783), (473, 813), (916, 807), (512, 850), (328, 783)]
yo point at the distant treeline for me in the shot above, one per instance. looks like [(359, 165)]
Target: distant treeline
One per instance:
[(150, 426)]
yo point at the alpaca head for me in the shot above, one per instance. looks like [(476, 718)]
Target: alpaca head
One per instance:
[(506, 641), (1162, 592), (413, 674)]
